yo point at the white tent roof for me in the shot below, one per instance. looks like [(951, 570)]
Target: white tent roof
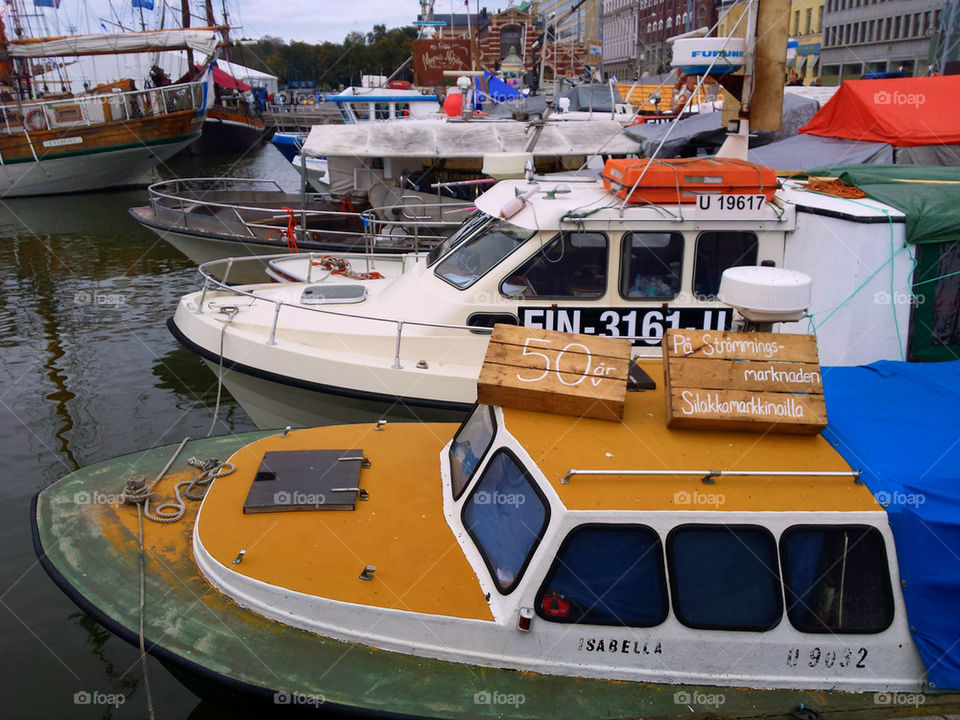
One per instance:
[(408, 137), (106, 68)]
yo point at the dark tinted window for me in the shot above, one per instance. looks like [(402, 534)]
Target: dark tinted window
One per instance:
[(651, 265), (473, 223), (837, 579), (506, 516), (469, 445), (608, 575), (573, 264), (474, 256), (724, 577), (717, 251)]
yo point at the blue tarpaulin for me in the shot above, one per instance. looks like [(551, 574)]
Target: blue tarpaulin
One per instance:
[(490, 87), (900, 424)]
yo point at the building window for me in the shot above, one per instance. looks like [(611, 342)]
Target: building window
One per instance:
[(510, 37), (837, 579), (809, 20), (724, 577), (796, 23), (573, 264), (607, 575)]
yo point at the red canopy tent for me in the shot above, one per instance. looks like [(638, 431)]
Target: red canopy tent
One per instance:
[(904, 112), (226, 80)]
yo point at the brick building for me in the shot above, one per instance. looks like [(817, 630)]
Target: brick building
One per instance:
[(517, 29), (660, 19)]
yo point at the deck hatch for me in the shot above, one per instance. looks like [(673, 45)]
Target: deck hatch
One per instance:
[(290, 480), (327, 294)]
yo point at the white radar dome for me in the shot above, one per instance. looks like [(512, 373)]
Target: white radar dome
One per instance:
[(766, 294)]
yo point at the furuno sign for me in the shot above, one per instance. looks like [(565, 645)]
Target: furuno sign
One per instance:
[(743, 381)]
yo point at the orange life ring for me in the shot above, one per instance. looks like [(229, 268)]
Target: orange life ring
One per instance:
[(346, 206), (36, 119)]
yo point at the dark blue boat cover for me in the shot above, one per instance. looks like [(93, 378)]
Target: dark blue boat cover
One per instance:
[(900, 423)]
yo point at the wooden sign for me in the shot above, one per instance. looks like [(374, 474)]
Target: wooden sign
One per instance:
[(547, 371), (743, 381), (432, 57)]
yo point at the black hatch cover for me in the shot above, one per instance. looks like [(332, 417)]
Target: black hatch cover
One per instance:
[(306, 480)]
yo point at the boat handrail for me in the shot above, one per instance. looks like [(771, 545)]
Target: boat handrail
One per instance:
[(153, 187), (279, 304), (708, 475), (99, 108)]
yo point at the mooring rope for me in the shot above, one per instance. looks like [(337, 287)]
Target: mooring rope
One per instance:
[(137, 492)]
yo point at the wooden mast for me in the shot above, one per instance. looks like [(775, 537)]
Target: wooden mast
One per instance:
[(185, 18)]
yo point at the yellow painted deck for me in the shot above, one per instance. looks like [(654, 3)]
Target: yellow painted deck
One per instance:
[(400, 529), (643, 442)]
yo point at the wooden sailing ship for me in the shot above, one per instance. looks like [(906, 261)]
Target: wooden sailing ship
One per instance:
[(112, 135)]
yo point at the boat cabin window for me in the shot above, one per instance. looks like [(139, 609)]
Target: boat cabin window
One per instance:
[(475, 256), (724, 577), (607, 575), (651, 265), (470, 225), (469, 445), (506, 516), (573, 264), (837, 579), (717, 251)]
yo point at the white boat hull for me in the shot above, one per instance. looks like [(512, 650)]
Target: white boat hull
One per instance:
[(271, 404), (91, 171)]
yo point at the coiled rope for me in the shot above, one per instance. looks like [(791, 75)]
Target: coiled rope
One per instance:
[(137, 492)]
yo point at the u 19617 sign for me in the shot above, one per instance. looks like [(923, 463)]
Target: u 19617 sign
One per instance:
[(743, 381), (557, 372)]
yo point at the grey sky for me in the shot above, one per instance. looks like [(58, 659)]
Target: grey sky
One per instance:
[(311, 21)]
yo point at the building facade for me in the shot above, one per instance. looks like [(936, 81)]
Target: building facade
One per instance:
[(869, 36), (806, 24), (620, 38), (660, 19), (517, 30)]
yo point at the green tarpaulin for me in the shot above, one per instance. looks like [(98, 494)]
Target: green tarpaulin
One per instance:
[(928, 196)]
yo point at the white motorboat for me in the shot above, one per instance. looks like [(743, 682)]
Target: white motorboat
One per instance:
[(574, 258)]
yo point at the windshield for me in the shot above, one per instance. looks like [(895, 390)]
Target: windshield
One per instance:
[(473, 258), (473, 223)]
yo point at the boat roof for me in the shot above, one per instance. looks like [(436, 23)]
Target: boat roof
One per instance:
[(589, 204), (927, 196), (642, 441), (442, 138)]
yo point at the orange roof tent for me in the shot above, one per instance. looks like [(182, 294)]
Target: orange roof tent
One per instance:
[(903, 112)]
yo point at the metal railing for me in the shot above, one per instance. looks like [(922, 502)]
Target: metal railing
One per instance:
[(417, 225), (100, 108), (211, 282)]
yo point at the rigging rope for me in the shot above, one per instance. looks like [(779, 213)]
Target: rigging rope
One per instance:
[(137, 492)]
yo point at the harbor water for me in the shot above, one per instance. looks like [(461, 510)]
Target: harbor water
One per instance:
[(89, 372)]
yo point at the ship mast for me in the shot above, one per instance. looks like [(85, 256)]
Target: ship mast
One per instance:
[(185, 22)]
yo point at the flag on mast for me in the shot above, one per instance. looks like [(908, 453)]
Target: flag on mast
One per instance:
[(47, 3), (145, 4)]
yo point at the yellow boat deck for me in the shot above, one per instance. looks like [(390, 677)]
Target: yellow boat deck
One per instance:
[(400, 529)]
